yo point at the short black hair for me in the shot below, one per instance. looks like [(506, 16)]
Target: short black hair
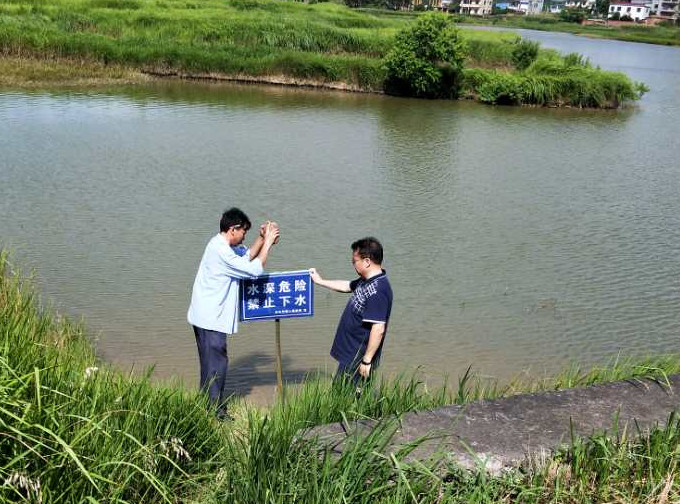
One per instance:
[(234, 217), (370, 248)]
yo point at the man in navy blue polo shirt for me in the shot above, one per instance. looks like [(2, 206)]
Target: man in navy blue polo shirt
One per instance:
[(361, 331)]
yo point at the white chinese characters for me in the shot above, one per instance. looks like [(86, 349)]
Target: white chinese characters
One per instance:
[(277, 295)]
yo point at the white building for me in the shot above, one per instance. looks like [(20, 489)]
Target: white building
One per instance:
[(529, 7), (635, 11), (667, 9), (556, 7), (580, 4), (476, 7)]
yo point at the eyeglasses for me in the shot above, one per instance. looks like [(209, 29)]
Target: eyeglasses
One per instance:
[(354, 261)]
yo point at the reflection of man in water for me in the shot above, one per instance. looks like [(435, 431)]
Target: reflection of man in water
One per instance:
[(363, 325), (213, 312)]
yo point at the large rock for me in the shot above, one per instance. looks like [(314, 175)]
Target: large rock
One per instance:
[(503, 433)]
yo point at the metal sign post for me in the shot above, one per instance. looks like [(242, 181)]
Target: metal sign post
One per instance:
[(275, 296), (279, 365)]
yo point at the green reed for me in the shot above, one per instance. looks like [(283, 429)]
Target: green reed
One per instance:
[(556, 85), (77, 428)]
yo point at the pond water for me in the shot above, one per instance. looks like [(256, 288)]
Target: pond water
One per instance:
[(516, 239)]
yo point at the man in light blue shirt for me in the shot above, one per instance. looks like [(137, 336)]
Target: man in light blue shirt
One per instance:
[(213, 312)]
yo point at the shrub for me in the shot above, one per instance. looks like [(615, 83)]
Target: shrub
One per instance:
[(504, 89), (550, 82), (524, 53), (573, 15), (426, 60)]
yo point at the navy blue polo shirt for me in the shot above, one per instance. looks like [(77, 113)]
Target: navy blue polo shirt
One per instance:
[(371, 302)]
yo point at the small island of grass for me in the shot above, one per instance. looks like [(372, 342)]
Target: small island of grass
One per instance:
[(328, 45)]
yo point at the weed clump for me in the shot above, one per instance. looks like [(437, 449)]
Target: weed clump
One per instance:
[(524, 53)]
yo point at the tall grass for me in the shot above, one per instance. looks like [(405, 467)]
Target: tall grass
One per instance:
[(553, 80), (325, 41), (74, 430)]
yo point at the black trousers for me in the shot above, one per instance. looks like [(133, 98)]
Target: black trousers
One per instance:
[(214, 361)]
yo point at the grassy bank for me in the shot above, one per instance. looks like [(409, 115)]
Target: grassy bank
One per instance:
[(31, 72), (660, 35), (75, 430), (325, 42), (258, 40)]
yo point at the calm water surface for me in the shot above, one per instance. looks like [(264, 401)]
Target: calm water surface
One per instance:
[(516, 239)]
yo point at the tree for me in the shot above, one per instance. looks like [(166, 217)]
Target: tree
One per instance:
[(426, 60), (602, 8)]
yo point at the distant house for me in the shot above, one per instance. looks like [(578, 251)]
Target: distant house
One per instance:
[(667, 9), (529, 7), (556, 7), (428, 4), (476, 7), (636, 12), (580, 4)]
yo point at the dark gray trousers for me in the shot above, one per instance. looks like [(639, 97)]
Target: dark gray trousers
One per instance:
[(214, 361)]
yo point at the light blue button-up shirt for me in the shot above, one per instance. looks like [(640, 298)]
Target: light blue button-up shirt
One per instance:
[(214, 299)]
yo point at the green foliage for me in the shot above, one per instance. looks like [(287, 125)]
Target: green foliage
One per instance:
[(524, 53), (570, 15), (426, 60), (254, 37), (549, 82), (79, 431), (489, 52), (602, 7), (576, 60)]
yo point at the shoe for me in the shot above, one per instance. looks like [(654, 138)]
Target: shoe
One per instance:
[(223, 416)]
